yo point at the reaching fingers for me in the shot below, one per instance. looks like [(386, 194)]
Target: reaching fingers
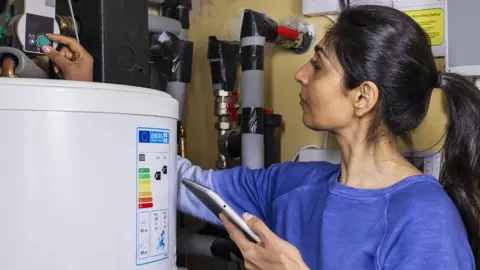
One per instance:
[(67, 53), (56, 57), (72, 43)]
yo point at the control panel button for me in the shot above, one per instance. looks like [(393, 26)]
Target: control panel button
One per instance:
[(42, 40)]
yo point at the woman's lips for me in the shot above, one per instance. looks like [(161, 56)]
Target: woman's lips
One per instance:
[(302, 101)]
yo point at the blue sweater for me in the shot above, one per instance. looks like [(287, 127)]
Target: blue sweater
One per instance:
[(410, 225)]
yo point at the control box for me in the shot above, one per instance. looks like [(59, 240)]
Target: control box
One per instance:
[(32, 20), (462, 40), (429, 162)]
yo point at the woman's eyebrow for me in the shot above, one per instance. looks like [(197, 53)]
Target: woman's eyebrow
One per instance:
[(320, 51)]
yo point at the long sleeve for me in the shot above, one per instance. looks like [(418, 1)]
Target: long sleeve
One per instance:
[(243, 189), (186, 201)]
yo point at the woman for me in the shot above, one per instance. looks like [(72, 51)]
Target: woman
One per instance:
[(369, 82)]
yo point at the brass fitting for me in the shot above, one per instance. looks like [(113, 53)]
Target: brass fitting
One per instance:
[(8, 67), (66, 25), (182, 141)]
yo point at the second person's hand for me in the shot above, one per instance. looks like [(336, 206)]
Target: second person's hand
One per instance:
[(73, 61)]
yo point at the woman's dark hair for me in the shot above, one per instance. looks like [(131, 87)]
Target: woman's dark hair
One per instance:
[(387, 47)]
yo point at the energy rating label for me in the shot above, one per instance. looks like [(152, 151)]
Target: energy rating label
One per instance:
[(153, 195), (145, 199)]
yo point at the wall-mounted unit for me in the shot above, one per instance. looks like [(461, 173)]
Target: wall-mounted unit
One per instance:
[(428, 162), (463, 42), (428, 13)]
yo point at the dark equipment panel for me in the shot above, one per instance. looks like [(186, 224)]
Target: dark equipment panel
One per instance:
[(115, 33)]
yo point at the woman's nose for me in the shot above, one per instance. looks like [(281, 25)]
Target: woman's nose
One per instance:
[(303, 75)]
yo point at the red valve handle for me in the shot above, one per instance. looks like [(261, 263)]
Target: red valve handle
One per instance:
[(231, 106)]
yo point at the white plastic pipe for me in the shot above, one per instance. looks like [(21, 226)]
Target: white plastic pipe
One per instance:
[(26, 68), (252, 89), (160, 24)]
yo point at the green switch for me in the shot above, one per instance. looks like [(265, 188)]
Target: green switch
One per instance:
[(42, 40)]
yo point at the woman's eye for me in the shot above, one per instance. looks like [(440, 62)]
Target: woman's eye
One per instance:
[(314, 65)]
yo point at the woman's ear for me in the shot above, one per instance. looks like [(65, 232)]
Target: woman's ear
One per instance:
[(364, 98)]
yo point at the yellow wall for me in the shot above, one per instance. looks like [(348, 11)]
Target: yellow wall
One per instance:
[(221, 18)]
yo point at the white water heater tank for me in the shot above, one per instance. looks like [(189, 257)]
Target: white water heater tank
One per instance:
[(87, 176)]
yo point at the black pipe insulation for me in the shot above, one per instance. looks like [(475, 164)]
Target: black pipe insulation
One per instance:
[(273, 127), (174, 57), (223, 57), (178, 10), (192, 243)]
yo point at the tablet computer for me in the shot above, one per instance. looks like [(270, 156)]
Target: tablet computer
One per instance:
[(217, 205)]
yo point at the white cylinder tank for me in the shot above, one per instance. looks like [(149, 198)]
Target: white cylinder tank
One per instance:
[(87, 176)]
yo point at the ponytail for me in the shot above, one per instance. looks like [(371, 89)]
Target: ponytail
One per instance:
[(460, 174)]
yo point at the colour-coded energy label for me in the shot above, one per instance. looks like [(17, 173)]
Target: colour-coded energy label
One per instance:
[(145, 198), (153, 195)]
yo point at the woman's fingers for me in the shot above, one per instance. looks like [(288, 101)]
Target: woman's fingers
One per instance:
[(236, 234), (72, 43), (65, 51), (259, 227)]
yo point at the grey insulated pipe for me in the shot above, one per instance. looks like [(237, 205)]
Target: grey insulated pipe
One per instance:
[(253, 38), (181, 75), (257, 29), (159, 24), (175, 56)]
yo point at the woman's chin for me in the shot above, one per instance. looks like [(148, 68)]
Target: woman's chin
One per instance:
[(309, 123)]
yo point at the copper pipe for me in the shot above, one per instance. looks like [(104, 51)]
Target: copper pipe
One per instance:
[(8, 67), (182, 141)]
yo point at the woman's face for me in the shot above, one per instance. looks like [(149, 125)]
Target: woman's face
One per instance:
[(325, 105)]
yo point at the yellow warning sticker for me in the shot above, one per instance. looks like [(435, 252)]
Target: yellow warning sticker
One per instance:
[(432, 21)]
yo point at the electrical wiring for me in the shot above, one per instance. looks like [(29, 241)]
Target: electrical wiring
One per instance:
[(74, 20), (310, 146), (325, 146), (325, 140), (431, 147), (331, 18)]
